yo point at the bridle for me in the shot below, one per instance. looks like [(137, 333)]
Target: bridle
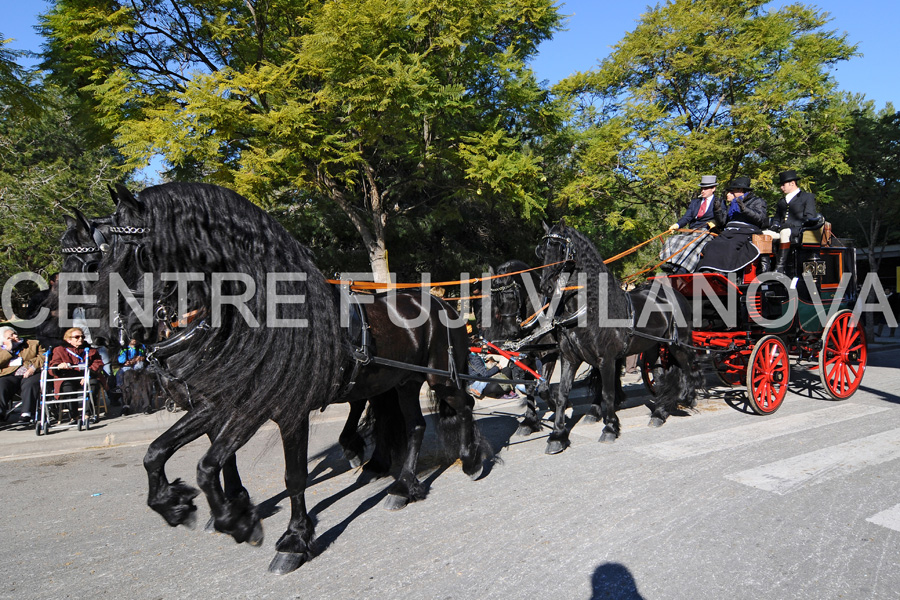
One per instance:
[(566, 264), (514, 289), (80, 252)]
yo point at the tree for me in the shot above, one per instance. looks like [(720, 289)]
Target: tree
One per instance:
[(16, 92), (867, 199), (703, 87), (384, 108), (51, 165)]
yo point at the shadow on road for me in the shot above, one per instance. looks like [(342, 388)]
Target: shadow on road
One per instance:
[(613, 581)]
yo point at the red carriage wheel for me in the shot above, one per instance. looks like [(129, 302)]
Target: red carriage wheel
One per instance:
[(731, 367), (842, 359), (768, 372), (651, 361)]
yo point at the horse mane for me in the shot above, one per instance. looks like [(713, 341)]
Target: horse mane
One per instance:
[(202, 228)]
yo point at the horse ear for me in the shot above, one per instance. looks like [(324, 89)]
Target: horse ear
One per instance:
[(82, 220), (127, 198), (546, 227), (112, 193), (562, 222), (71, 223)]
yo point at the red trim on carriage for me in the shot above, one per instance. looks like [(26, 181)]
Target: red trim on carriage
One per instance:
[(686, 283), (720, 339)]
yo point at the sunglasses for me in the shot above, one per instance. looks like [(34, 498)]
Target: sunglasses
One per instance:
[(76, 337)]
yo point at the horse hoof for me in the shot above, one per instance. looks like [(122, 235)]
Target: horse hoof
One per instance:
[(608, 437), (477, 472), (285, 562), (555, 447), (589, 418), (656, 422), (257, 535), (395, 502), (353, 458), (524, 430)]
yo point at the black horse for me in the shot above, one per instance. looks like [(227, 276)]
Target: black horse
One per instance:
[(264, 341), (599, 323), (512, 319)]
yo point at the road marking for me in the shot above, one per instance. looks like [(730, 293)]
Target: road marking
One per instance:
[(762, 429), (889, 518), (812, 468)]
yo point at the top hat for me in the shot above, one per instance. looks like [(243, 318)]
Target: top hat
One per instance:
[(786, 176), (708, 181), (739, 183)]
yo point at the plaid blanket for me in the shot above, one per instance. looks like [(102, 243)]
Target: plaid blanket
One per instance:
[(681, 249)]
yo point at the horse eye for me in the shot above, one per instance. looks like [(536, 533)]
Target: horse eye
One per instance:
[(104, 247)]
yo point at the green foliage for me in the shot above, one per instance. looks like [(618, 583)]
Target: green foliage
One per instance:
[(703, 87), (381, 107), (51, 165), (866, 200), (16, 92)]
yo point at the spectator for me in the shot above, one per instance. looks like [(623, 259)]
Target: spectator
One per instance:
[(20, 361), (70, 360)]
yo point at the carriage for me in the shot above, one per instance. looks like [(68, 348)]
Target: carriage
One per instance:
[(751, 325)]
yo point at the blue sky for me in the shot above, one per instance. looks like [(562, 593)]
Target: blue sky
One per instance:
[(596, 25)]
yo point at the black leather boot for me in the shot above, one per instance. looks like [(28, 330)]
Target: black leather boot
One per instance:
[(781, 259), (765, 263)]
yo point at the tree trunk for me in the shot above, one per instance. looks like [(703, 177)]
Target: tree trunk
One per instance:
[(373, 238)]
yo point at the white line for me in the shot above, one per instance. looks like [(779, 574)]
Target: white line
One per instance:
[(889, 518), (822, 465), (761, 429)]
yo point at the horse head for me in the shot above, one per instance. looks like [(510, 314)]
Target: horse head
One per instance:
[(558, 253), (123, 262), (509, 302)]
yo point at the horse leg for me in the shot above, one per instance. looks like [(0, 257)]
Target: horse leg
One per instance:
[(353, 445), (294, 546), (611, 427), (235, 516), (531, 422), (594, 413), (407, 488), (231, 481), (456, 419), (559, 437), (174, 501), (389, 432)]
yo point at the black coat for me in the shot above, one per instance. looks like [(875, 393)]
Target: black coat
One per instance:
[(802, 209), (751, 210), (690, 220)]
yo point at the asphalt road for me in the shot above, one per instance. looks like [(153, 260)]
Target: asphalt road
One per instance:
[(716, 504)]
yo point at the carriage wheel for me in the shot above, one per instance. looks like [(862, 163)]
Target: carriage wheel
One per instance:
[(842, 360), (767, 375), (37, 427), (731, 367), (662, 361)]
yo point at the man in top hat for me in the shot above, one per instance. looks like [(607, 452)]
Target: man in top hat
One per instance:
[(700, 211), (794, 211), (682, 252)]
